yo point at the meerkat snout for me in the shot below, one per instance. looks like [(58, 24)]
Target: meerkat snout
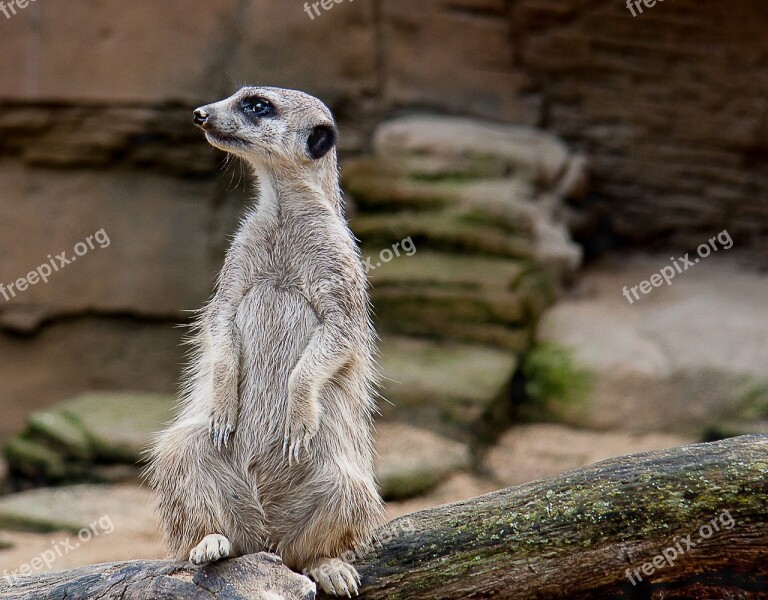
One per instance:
[(201, 116)]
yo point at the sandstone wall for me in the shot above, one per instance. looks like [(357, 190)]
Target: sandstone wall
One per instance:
[(95, 132)]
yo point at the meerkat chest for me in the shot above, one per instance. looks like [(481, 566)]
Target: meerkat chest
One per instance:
[(293, 252)]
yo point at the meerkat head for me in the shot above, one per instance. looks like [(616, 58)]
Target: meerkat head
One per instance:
[(270, 127)]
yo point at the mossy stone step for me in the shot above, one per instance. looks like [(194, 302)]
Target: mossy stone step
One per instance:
[(426, 268), (71, 508), (442, 386), (452, 232), (411, 460), (88, 437), (61, 432), (35, 460), (119, 425)]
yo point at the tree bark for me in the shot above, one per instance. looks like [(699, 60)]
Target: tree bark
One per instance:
[(688, 522), (579, 535)]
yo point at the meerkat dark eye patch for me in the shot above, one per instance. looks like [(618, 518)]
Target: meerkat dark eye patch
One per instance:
[(255, 106), (321, 139)]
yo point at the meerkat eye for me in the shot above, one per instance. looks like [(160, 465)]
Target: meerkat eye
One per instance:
[(257, 107)]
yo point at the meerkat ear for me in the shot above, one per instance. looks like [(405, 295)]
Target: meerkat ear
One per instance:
[(321, 139)]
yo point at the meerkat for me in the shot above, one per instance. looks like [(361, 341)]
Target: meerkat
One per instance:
[(272, 447)]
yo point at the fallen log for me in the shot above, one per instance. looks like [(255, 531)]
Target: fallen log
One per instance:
[(689, 522), (596, 532)]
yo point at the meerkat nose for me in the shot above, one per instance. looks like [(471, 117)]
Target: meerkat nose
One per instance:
[(201, 117)]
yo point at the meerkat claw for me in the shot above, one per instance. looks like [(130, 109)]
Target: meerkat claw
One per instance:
[(294, 453), (294, 446), (220, 434)]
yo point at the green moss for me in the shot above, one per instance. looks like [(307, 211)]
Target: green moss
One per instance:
[(753, 403), (35, 457), (657, 501), (61, 432), (555, 379), (444, 178)]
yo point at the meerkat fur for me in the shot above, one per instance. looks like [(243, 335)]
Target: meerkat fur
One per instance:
[(272, 445)]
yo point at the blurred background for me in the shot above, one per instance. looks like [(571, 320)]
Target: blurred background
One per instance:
[(513, 169)]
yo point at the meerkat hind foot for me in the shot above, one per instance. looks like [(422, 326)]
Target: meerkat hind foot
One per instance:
[(212, 548), (335, 576)]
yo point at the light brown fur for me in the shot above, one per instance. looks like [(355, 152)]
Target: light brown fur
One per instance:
[(272, 446)]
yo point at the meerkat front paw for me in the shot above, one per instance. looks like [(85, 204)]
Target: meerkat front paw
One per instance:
[(212, 548), (298, 434), (335, 576), (222, 423), (302, 424)]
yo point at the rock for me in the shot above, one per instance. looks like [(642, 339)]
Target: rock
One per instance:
[(475, 72), (445, 232), (663, 363), (3, 476), (249, 35), (98, 436), (469, 279), (412, 461), (444, 387), (73, 508), (429, 269), (428, 308), (113, 522), (120, 424), (488, 148), (438, 181), (556, 250), (64, 212), (157, 138), (574, 184), (68, 356), (460, 185), (530, 452), (480, 205), (34, 460), (61, 431)]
